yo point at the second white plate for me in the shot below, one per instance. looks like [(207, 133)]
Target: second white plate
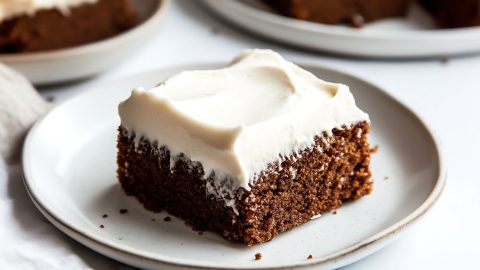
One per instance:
[(69, 168), (411, 37), (63, 65)]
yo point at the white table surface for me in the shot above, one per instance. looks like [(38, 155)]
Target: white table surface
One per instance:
[(445, 93)]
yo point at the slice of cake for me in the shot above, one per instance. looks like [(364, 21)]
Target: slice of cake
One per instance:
[(250, 150), (354, 12), (38, 25), (447, 13)]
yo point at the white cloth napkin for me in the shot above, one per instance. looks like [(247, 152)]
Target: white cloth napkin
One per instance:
[(27, 239)]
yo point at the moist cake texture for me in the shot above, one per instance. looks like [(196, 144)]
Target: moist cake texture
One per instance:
[(250, 151), (39, 25)]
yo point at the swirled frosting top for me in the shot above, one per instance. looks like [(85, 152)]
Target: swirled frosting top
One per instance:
[(238, 119), (13, 8)]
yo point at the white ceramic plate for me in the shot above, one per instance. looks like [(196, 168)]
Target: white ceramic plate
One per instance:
[(83, 61), (414, 36), (69, 168)]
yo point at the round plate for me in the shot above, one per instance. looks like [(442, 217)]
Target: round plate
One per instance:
[(413, 36), (69, 168), (90, 59)]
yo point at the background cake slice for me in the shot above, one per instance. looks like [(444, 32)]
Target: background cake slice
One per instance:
[(250, 150), (38, 25), (447, 13), (337, 12)]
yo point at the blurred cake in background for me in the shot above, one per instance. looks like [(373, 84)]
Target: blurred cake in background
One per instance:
[(447, 13), (454, 13), (354, 12), (39, 25)]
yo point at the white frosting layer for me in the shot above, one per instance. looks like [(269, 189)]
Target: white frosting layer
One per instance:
[(13, 8), (236, 120)]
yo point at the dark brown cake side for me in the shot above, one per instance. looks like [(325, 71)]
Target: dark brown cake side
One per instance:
[(336, 12), (286, 195), (454, 13), (51, 29)]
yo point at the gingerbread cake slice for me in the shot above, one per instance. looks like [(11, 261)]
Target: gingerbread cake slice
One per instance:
[(40, 25), (249, 151)]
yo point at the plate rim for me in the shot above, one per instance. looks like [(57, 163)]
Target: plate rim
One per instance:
[(367, 245), (50, 55)]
